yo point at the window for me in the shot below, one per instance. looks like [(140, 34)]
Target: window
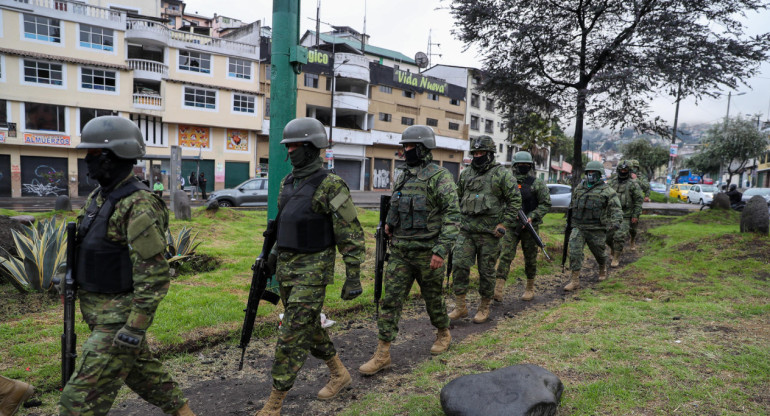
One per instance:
[(243, 103), (386, 117), (39, 116), (454, 126), (311, 80), (475, 100), (268, 72), (474, 123), (195, 62), (407, 121), (42, 28), (432, 96), (386, 90), (3, 114), (408, 94), (239, 68), (454, 101), (42, 72), (490, 104), (200, 98), (97, 79), (432, 122), (96, 37), (88, 114), (267, 107), (501, 148), (489, 126)]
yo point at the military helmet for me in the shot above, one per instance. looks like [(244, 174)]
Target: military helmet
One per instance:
[(595, 165), (305, 129), (623, 165), (483, 143), (633, 164), (419, 134), (117, 134), (522, 157)]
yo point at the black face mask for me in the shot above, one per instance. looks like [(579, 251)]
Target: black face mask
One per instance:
[(412, 157), (523, 168), (303, 155), (481, 161), (623, 174), (100, 167)]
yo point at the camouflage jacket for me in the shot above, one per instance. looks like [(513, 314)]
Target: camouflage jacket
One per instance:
[(487, 197), (540, 190), (313, 269), (595, 208), (644, 184), (630, 195), (151, 278), (436, 206)]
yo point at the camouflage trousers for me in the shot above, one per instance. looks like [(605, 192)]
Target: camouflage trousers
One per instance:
[(617, 239), (404, 267), (102, 370), (508, 253), (633, 229), (596, 240), (470, 248), (301, 333)]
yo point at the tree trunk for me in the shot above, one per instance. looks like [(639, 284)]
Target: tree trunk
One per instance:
[(577, 166)]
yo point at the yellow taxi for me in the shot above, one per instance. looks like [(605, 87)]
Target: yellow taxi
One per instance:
[(679, 191)]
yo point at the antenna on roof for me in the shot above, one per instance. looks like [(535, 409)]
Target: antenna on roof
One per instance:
[(318, 24), (363, 35), (430, 47)]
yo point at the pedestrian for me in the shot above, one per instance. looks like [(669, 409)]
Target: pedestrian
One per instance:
[(202, 185), (631, 197), (315, 214), (194, 185), (121, 234), (13, 393), (644, 183), (535, 202), (157, 188), (595, 209), (489, 201), (422, 222)]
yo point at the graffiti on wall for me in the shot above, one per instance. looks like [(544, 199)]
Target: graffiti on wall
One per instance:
[(43, 176), (381, 174)]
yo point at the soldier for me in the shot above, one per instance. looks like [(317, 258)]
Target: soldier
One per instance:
[(315, 214), (595, 210), (12, 394), (644, 183), (630, 195), (422, 221), (535, 201), (121, 275), (489, 203)]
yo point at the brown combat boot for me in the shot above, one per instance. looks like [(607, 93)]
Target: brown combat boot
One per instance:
[(460, 310), (443, 339), (13, 394), (632, 243), (184, 411), (574, 283), (273, 404), (603, 272), (380, 360), (482, 314), (615, 259), (499, 289), (340, 378), (529, 291)]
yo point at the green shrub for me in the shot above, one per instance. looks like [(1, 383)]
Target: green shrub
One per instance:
[(182, 245), (42, 249)]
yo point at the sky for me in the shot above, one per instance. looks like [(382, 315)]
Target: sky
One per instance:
[(405, 25)]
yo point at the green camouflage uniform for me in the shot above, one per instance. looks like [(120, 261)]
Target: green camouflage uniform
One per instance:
[(303, 278), (644, 184), (423, 218), (631, 198), (519, 233), (488, 197), (103, 367), (594, 211)]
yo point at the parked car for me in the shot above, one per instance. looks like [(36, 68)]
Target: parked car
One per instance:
[(561, 195), (701, 194), (250, 193), (658, 187), (679, 190), (764, 192)]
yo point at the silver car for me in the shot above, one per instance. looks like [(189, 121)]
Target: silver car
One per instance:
[(561, 195), (253, 192), (763, 192)]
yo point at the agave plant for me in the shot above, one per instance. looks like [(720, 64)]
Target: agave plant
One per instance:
[(42, 250), (182, 245)]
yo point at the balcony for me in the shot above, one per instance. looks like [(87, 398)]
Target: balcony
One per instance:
[(351, 101), (159, 33), (149, 70), (357, 66), (148, 101), (76, 11)]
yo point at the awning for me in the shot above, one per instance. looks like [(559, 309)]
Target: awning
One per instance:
[(565, 167)]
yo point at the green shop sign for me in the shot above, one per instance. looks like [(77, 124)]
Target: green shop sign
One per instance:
[(419, 81)]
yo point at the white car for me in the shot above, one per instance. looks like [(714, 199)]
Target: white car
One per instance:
[(560, 195), (763, 192), (701, 194)]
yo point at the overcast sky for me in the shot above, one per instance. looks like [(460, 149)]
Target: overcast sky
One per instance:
[(404, 25)]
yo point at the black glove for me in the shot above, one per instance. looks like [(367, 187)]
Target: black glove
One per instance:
[(128, 337), (272, 263), (352, 287)]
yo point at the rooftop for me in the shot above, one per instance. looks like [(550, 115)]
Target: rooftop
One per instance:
[(370, 49)]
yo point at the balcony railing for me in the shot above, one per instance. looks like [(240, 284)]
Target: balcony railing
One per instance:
[(148, 100), (78, 8), (147, 65), (191, 38)]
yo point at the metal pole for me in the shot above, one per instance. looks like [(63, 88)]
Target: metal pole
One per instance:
[(673, 138)]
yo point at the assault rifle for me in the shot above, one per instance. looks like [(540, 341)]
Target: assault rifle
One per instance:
[(448, 267), (381, 240), (567, 232), (533, 233), (68, 337), (259, 278)]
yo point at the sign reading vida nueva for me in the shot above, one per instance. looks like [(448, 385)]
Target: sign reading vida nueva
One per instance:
[(416, 80), (46, 139)]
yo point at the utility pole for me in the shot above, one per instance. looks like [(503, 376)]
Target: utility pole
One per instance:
[(673, 139)]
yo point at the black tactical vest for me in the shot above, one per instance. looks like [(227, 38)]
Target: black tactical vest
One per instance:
[(104, 266), (300, 229), (529, 200)]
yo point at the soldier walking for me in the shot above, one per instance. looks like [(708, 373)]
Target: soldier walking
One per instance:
[(644, 183), (595, 210), (315, 214), (489, 203), (121, 275), (422, 222), (630, 195), (535, 202)]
